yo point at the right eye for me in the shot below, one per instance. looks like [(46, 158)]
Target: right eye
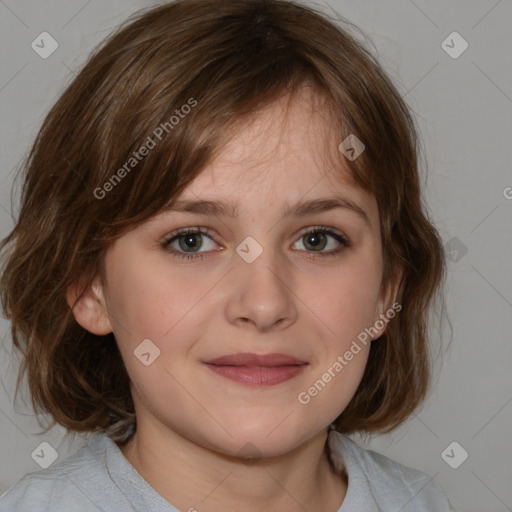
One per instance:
[(187, 238)]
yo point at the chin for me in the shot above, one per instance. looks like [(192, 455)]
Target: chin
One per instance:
[(264, 439), (252, 449)]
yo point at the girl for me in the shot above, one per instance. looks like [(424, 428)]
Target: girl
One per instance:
[(222, 267)]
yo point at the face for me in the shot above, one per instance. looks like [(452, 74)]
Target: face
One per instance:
[(303, 285)]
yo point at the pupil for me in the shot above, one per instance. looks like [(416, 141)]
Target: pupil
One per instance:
[(315, 237), (190, 238)]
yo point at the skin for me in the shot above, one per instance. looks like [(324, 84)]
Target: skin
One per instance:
[(192, 424)]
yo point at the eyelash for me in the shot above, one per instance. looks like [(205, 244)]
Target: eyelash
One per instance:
[(175, 235)]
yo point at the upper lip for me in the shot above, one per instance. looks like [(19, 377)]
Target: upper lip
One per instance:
[(248, 359)]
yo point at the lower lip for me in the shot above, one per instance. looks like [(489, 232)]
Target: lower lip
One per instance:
[(258, 376)]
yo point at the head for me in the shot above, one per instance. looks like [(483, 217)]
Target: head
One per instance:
[(246, 103)]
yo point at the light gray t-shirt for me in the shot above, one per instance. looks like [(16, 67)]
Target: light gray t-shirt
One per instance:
[(98, 477)]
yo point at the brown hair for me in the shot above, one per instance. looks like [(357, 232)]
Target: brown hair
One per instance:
[(225, 59)]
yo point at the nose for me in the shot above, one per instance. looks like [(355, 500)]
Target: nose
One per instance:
[(261, 295)]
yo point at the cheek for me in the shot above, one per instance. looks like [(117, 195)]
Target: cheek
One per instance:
[(156, 303), (345, 300), (148, 300), (335, 384)]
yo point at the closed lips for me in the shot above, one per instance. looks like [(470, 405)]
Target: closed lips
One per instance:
[(257, 370), (256, 360)]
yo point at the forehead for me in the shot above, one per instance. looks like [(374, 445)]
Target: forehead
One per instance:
[(293, 135), (285, 153)]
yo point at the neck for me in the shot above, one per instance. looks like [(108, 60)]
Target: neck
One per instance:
[(194, 478)]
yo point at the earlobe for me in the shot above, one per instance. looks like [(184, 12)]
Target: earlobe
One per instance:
[(89, 307)]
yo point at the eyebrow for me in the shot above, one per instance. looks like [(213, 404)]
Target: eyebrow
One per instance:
[(299, 209)]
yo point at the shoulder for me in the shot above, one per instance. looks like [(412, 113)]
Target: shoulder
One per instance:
[(68, 486), (391, 483)]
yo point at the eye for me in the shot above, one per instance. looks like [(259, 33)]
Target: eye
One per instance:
[(317, 238), (190, 239)]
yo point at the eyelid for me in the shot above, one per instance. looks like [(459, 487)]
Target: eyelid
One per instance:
[(185, 231), (327, 229)]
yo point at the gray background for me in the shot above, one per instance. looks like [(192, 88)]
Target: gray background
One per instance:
[(464, 109)]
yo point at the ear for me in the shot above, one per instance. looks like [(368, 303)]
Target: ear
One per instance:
[(386, 304), (89, 307)]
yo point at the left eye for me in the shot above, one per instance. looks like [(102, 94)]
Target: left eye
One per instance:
[(318, 237), (189, 239)]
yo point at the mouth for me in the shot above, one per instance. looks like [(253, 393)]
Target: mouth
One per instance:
[(257, 370)]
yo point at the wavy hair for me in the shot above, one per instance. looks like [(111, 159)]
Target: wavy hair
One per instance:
[(231, 57)]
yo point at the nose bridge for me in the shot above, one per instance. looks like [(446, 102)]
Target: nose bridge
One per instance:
[(261, 283), (262, 265)]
